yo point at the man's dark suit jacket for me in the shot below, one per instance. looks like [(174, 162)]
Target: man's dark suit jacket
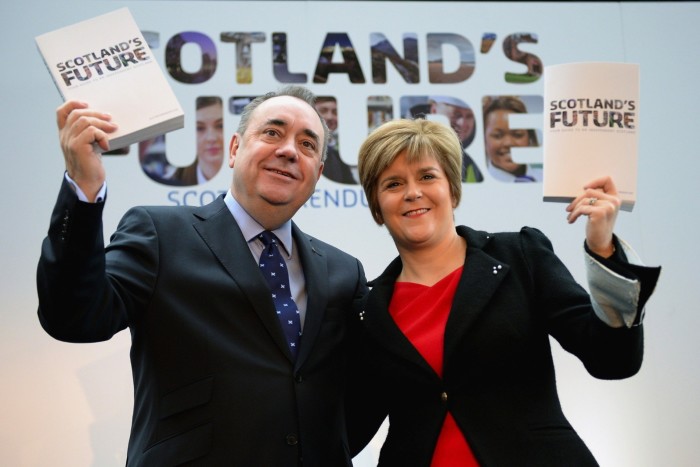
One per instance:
[(213, 378), (498, 377)]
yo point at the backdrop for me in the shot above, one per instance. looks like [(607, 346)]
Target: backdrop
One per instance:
[(70, 405)]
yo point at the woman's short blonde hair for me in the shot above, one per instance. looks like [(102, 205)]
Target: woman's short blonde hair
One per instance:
[(419, 138)]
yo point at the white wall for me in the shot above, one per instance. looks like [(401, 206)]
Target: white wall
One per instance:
[(66, 404)]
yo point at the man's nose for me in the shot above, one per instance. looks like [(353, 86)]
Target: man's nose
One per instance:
[(287, 148)]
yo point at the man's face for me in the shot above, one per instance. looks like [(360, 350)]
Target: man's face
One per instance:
[(277, 162), (329, 112), (461, 118)]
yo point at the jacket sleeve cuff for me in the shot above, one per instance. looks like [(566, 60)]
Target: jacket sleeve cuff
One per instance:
[(615, 285), (81, 196)]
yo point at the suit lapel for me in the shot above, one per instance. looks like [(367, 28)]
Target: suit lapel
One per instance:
[(221, 233), (315, 266)]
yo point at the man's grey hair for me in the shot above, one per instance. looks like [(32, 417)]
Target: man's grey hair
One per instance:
[(299, 92)]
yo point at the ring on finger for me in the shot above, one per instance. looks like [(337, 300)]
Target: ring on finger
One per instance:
[(592, 201)]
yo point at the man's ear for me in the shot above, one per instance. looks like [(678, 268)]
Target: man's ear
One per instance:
[(233, 149)]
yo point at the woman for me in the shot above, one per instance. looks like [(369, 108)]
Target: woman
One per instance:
[(210, 144), (455, 333), (499, 138)]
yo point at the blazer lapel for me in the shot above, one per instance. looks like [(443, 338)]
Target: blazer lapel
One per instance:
[(315, 266), (481, 277), (218, 229), (382, 327)]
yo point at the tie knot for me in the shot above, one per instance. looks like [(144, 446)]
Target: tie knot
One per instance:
[(268, 238)]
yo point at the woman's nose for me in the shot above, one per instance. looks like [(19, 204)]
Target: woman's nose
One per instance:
[(413, 192), (507, 141), (211, 135)]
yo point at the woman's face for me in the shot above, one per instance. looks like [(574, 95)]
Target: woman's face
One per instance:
[(461, 118), (415, 202), (499, 138), (210, 135)]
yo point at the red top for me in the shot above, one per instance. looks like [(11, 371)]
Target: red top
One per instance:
[(421, 313)]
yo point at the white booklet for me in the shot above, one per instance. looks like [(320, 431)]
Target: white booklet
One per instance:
[(591, 128), (106, 62)]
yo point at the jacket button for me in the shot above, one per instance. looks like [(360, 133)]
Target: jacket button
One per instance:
[(443, 397), (299, 379), (292, 440)]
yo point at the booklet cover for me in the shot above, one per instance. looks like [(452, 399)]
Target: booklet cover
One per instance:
[(106, 62), (590, 129)]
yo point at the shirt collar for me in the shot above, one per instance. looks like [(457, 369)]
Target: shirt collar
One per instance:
[(200, 176), (251, 228)]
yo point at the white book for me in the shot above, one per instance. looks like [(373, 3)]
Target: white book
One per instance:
[(591, 122), (106, 62)]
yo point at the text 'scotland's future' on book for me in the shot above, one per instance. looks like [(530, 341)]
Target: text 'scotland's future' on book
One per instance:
[(591, 128), (106, 62)]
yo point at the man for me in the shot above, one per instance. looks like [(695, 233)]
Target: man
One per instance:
[(334, 169), (215, 380), (327, 108), (461, 119)]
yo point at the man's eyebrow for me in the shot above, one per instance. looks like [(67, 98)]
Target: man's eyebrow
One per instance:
[(312, 134), (276, 122)]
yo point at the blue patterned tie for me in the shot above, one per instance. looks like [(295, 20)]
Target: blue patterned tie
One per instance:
[(274, 268)]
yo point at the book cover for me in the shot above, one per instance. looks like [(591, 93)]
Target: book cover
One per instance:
[(106, 62), (590, 129)]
